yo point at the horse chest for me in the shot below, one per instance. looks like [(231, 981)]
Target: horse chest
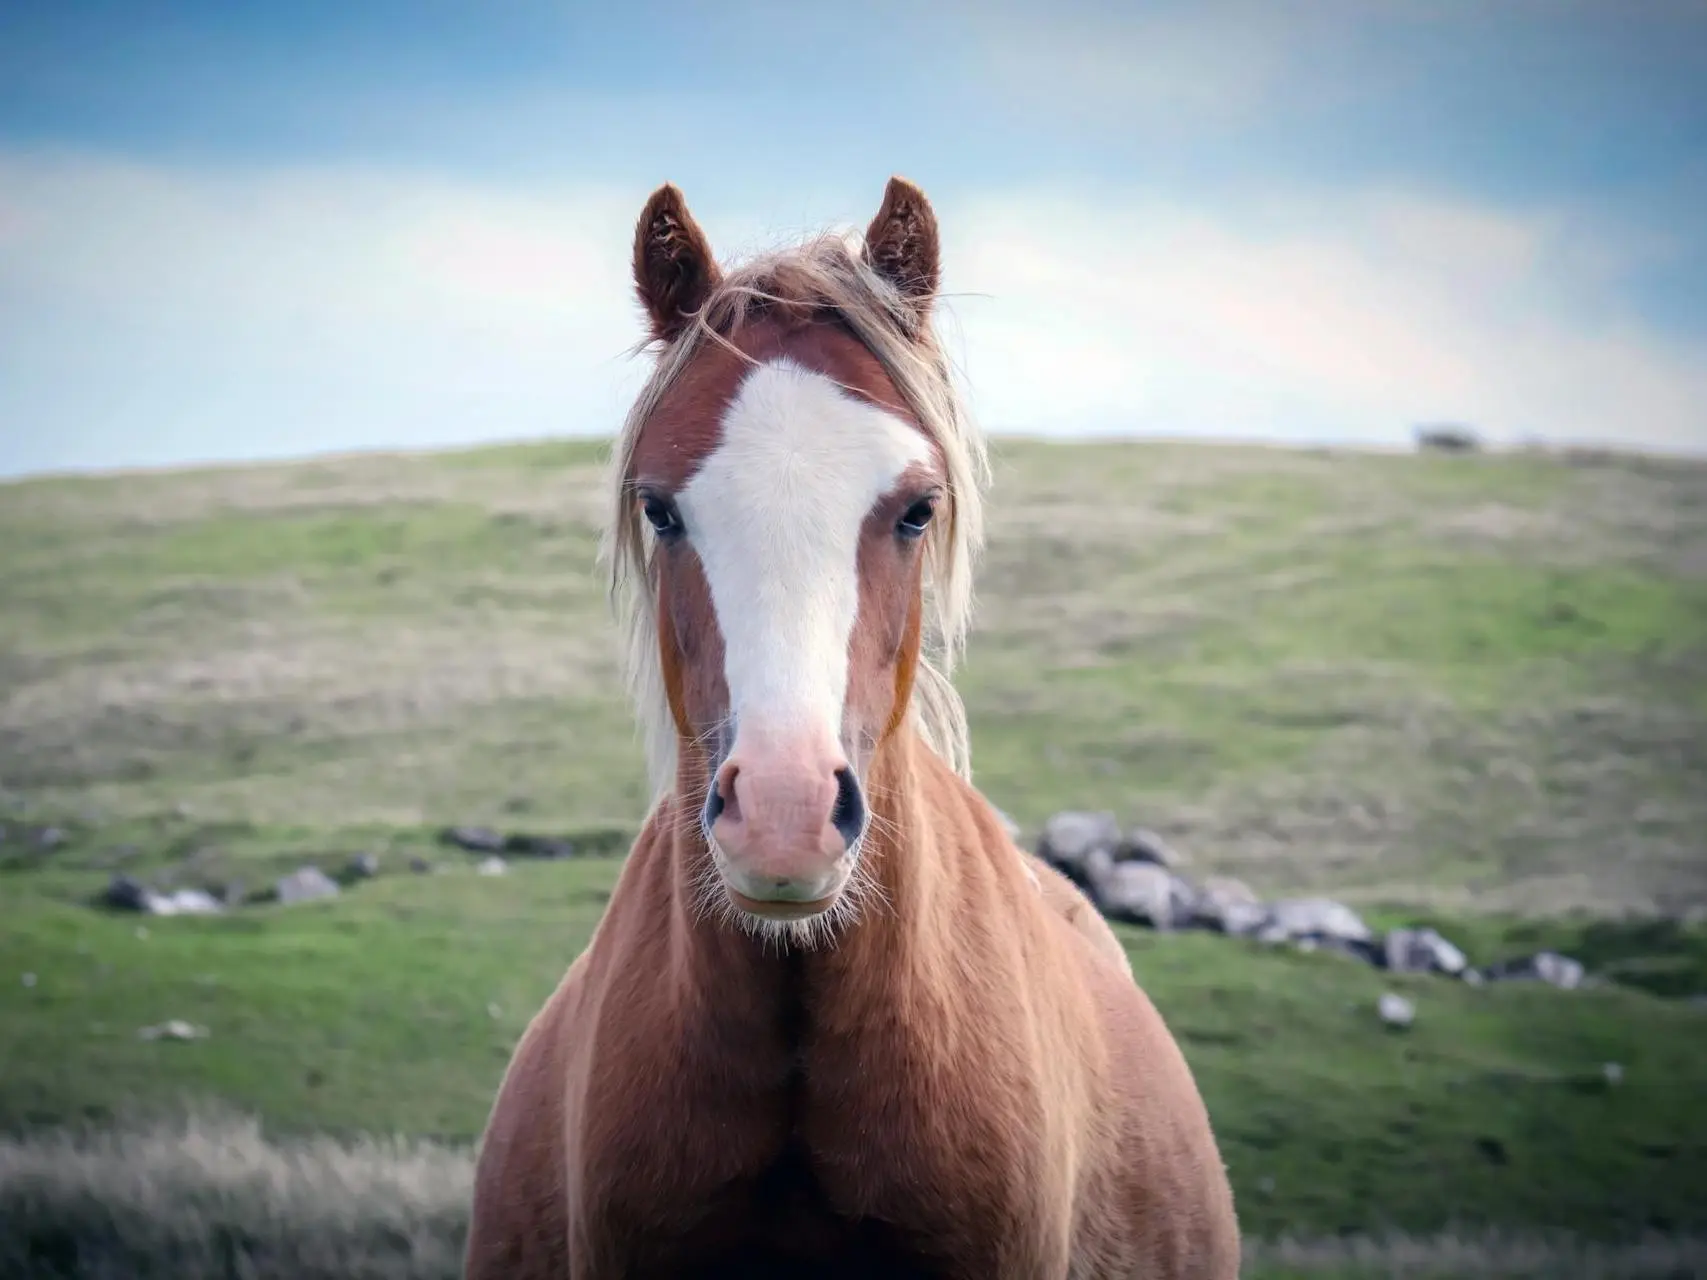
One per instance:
[(831, 1169)]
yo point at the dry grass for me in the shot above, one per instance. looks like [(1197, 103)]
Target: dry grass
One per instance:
[(1313, 669)]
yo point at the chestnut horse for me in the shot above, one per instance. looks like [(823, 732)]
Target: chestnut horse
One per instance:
[(833, 1021)]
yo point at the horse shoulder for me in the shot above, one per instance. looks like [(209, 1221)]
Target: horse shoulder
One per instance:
[(1069, 902), (519, 1228), (1161, 1173)]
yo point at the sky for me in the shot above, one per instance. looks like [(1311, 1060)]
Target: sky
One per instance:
[(233, 232)]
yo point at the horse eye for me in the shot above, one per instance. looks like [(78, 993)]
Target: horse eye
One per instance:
[(913, 523), (662, 514)]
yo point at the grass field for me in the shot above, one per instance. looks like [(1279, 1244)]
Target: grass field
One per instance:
[(1470, 690)]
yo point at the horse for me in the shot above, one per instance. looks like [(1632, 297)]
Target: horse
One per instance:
[(833, 1021)]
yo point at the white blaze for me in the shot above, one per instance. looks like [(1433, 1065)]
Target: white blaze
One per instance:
[(774, 513)]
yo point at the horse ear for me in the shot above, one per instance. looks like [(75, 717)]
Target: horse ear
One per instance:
[(674, 271), (901, 243)]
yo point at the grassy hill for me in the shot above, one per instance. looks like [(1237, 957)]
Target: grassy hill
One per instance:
[(1471, 690)]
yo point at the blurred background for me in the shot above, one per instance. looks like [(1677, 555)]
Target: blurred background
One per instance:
[(1346, 367)]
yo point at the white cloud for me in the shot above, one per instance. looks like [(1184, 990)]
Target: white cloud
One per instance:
[(149, 314), (152, 315), (1333, 318)]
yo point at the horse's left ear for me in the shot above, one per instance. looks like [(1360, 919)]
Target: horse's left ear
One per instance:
[(901, 243)]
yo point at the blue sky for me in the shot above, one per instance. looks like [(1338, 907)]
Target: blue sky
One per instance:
[(258, 231)]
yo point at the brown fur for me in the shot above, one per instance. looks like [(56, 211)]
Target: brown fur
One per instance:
[(967, 1083)]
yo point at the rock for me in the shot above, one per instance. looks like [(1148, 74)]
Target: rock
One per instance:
[(1319, 918), (1243, 919), (50, 838), (1473, 977), (364, 866), (1613, 1071), (1143, 893), (1544, 966), (1447, 437), (173, 1029), (125, 893), (1395, 1010), (538, 846), (1070, 838), (1143, 845), (305, 885), (1421, 951), (1228, 905), (474, 839), (493, 867), (185, 902), (29, 980), (1364, 950), (419, 865)]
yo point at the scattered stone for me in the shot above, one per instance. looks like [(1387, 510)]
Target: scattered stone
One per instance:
[(364, 866), (1613, 1071), (474, 839), (1143, 893), (1473, 977), (493, 867), (419, 865), (1069, 840), (1422, 951), (1228, 905), (1544, 966), (185, 902), (1319, 918), (1395, 1010), (305, 885), (173, 1029), (127, 894), (538, 846), (142, 933), (50, 838), (1143, 845), (493, 1011), (29, 980), (1447, 437)]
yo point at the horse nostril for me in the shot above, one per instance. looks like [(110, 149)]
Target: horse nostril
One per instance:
[(713, 805), (848, 817)]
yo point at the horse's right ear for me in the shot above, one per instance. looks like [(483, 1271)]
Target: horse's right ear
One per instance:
[(674, 271)]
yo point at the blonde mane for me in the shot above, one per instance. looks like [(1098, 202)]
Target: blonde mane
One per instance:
[(825, 275)]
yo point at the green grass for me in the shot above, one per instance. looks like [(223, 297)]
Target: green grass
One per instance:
[(393, 1010), (1465, 691)]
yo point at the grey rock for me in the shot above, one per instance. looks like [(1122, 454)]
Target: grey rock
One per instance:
[(125, 893), (1395, 1010), (1143, 845), (1421, 951), (493, 867), (364, 866), (1473, 977), (419, 865), (1070, 839), (1143, 893), (1319, 918), (50, 838), (538, 846), (1544, 966), (173, 1029), (474, 839), (305, 885), (185, 902), (1228, 905)]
